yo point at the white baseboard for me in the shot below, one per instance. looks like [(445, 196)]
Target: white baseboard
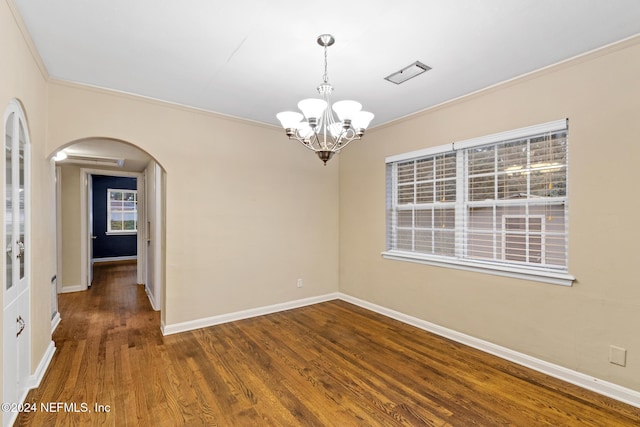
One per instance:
[(36, 378), (115, 258), (55, 322), (623, 394), (9, 417), (32, 382), (74, 288), (152, 299), (245, 314)]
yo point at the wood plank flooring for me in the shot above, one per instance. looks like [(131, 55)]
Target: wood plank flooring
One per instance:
[(331, 364)]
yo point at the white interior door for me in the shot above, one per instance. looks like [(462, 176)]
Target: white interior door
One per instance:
[(16, 310)]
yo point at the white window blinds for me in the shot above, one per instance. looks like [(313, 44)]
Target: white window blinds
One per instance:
[(500, 199)]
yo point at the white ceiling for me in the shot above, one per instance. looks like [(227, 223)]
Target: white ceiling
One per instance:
[(252, 59)]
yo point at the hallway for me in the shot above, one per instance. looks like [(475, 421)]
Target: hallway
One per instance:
[(103, 346)]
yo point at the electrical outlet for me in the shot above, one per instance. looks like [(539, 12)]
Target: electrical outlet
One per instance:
[(299, 283), (617, 355)]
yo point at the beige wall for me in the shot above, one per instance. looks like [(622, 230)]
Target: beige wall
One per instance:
[(71, 275), (572, 327), (247, 211), (20, 78)]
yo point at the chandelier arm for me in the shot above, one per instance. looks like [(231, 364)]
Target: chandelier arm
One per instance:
[(316, 143), (326, 142), (319, 136), (327, 120), (313, 143), (355, 138), (306, 144)]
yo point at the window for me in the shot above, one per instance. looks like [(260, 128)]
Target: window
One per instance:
[(497, 203), (122, 211), (425, 207)]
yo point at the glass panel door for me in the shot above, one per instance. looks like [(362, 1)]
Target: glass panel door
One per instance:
[(21, 193), (8, 206), (16, 302)]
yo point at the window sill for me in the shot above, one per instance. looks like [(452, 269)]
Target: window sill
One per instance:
[(545, 276), (121, 233)]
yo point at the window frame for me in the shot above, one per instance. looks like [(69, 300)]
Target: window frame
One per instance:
[(546, 274), (121, 232)]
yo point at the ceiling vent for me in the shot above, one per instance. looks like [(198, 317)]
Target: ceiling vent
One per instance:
[(408, 72), (94, 160)]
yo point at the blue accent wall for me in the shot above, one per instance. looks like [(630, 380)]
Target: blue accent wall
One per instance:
[(107, 246)]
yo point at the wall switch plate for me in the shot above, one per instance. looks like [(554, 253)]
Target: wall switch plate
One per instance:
[(299, 283), (617, 355)]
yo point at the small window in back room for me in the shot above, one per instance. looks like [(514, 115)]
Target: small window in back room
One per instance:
[(122, 211)]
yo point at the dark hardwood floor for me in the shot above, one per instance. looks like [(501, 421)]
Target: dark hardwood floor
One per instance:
[(331, 364)]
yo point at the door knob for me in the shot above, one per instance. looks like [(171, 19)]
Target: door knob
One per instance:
[(20, 245)]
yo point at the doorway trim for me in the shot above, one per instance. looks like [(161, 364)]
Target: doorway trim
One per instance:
[(85, 233)]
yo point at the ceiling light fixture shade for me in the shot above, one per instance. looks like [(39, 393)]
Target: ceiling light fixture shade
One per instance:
[(321, 132), (312, 108), (289, 119), (347, 109)]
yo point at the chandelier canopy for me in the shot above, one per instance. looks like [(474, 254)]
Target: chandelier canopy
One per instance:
[(321, 132)]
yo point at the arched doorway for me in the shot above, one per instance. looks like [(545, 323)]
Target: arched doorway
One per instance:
[(91, 157)]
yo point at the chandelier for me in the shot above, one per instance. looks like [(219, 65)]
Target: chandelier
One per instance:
[(321, 132)]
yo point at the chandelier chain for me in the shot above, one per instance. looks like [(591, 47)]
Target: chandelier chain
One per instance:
[(325, 76)]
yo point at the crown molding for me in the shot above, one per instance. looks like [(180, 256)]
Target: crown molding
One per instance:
[(160, 102), (27, 39)]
